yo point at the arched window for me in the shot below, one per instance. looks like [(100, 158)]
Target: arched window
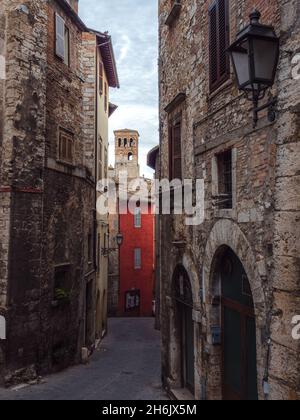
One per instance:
[(120, 142), (131, 142), (130, 157), (125, 142)]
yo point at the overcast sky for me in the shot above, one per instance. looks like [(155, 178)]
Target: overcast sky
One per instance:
[(133, 26)]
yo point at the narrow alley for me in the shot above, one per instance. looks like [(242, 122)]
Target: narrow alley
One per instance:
[(125, 367)]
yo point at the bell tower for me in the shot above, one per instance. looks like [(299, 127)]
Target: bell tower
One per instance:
[(127, 152)]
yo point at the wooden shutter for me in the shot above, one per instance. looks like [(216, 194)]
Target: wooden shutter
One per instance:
[(60, 36), (219, 42), (101, 78), (213, 47), (177, 157)]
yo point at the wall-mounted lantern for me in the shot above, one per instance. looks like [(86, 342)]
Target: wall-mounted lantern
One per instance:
[(119, 239), (255, 56)]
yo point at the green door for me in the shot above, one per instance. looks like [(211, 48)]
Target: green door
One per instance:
[(239, 332)]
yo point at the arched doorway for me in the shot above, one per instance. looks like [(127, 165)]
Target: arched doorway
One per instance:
[(182, 293), (239, 360)]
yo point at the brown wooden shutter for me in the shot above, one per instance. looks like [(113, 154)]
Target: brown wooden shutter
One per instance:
[(223, 38), (219, 42), (213, 47), (177, 165)]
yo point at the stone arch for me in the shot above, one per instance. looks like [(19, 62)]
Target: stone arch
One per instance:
[(226, 233), (184, 263)]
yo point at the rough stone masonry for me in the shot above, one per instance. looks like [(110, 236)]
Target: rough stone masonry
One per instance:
[(263, 225), (46, 206)]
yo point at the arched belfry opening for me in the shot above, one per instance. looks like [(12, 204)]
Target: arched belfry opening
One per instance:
[(184, 326), (234, 327)]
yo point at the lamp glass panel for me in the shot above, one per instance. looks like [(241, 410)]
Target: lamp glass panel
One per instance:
[(265, 54), (240, 58)]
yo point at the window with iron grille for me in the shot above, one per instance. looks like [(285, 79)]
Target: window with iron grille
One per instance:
[(175, 150), (218, 43), (66, 147), (225, 176)]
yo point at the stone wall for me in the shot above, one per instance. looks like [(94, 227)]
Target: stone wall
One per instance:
[(212, 123), (47, 207)]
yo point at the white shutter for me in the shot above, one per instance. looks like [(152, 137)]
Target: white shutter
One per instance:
[(60, 36), (138, 218), (137, 258)]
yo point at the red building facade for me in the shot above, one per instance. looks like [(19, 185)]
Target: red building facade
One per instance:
[(136, 293)]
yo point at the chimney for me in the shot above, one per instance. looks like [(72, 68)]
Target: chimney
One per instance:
[(74, 4)]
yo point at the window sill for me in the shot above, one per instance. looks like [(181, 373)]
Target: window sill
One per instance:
[(68, 164), (213, 93), (225, 213)]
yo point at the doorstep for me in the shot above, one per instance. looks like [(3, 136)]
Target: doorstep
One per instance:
[(181, 394)]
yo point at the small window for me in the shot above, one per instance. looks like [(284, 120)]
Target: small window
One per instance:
[(175, 151), (101, 77), (225, 176), (137, 259), (130, 157), (138, 218), (219, 42), (125, 142), (66, 147), (120, 142), (62, 45), (131, 143)]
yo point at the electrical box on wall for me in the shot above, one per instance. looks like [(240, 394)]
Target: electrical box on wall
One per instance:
[(216, 336)]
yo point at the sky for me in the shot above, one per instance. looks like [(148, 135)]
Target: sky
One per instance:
[(133, 25)]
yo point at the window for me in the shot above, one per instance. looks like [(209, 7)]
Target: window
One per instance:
[(106, 161), (131, 143), (62, 45), (105, 97), (101, 77), (100, 159), (90, 248), (125, 142), (219, 42), (130, 157), (120, 142), (175, 151), (137, 259), (225, 176), (66, 147), (138, 218)]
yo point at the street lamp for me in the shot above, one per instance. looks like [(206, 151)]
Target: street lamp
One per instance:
[(119, 239), (255, 56)]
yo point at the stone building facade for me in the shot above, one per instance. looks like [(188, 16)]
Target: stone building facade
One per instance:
[(131, 264), (247, 247), (48, 165)]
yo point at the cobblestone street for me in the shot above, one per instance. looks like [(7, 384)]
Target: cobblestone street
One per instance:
[(125, 367)]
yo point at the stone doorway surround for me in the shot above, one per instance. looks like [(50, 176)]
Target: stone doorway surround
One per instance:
[(228, 233)]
